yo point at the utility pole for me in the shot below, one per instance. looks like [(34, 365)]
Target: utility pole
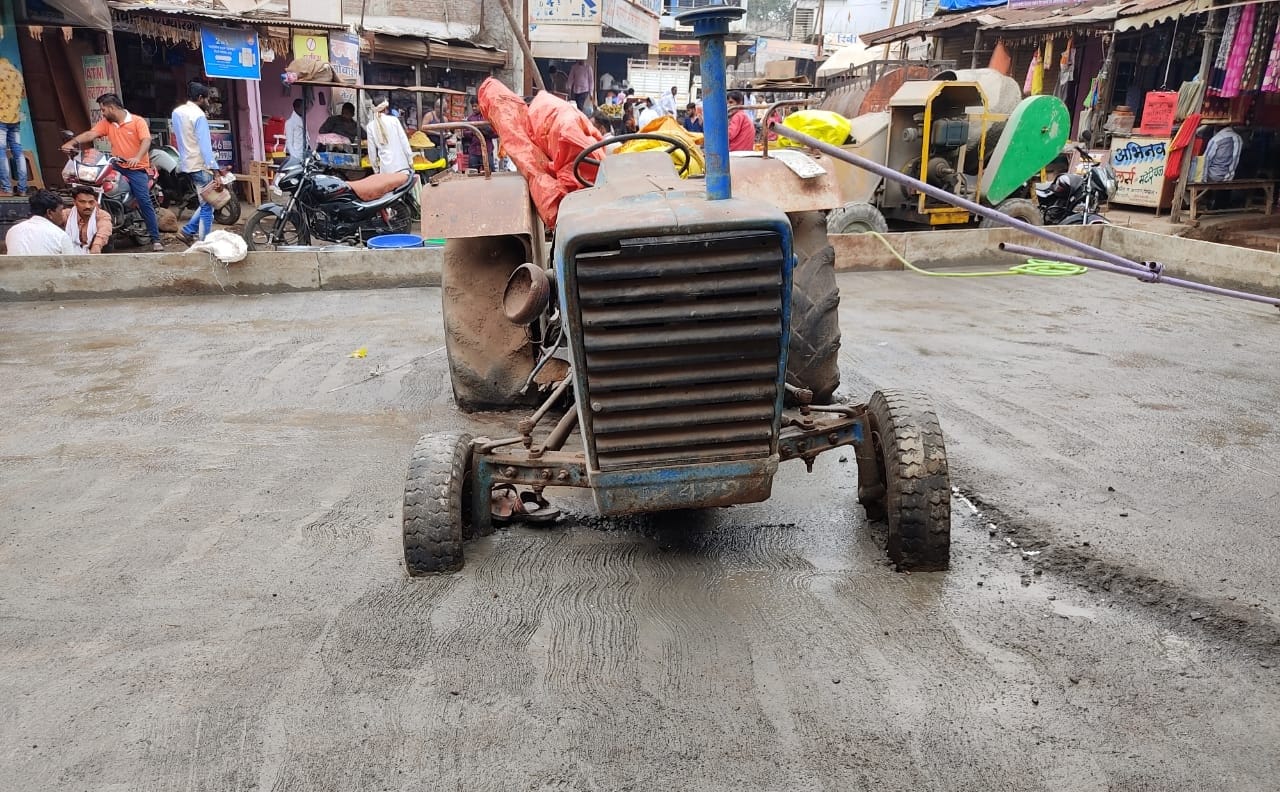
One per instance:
[(893, 20), (522, 39)]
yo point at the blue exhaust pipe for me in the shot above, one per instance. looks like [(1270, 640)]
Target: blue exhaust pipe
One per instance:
[(711, 25)]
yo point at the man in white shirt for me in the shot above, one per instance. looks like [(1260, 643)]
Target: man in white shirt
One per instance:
[(647, 115), (190, 128), (389, 150), (295, 132), (667, 104), (42, 234)]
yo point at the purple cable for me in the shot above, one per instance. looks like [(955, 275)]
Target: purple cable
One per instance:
[(1117, 264)]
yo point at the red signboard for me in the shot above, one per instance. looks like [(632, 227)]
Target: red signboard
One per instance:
[(1158, 112)]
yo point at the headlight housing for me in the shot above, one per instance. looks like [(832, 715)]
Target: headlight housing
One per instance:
[(1109, 181)]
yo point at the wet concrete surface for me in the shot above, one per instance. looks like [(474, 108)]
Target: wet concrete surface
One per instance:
[(202, 587)]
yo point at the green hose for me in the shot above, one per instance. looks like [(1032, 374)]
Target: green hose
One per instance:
[(1053, 269)]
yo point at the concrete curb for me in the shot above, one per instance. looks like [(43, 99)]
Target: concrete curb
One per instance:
[(954, 248), (1227, 266), (72, 277), (147, 275)]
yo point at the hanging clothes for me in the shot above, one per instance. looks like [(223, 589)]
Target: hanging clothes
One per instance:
[(1034, 83), (1234, 77), (1000, 59), (1179, 146), (1271, 80), (1066, 69), (1263, 33), (1219, 71)]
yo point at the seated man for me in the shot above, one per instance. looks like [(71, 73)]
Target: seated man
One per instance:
[(343, 124), (88, 225), (41, 234)]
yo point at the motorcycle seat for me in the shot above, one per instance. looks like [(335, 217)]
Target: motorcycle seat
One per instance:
[(371, 188)]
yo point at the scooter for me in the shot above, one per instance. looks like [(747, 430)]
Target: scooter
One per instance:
[(323, 206), (91, 168), (174, 189), (1075, 198)]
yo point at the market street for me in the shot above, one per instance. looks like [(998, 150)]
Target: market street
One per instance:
[(202, 583)]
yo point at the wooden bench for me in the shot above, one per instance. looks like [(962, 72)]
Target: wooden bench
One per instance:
[(1196, 189)]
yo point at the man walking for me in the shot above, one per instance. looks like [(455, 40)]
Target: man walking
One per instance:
[(389, 150), (195, 156), (130, 139), (88, 225), (12, 90), (582, 81), (41, 234)]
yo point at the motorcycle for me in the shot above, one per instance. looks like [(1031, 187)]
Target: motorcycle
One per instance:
[(174, 189), (324, 206), (97, 171), (1075, 198)]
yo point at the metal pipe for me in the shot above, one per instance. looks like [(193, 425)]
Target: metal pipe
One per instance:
[(1154, 273), (529, 424), (556, 440), (768, 113), (470, 127), (710, 26), (1123, 265), (952, 198)]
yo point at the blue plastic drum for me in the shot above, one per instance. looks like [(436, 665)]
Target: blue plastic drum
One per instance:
[(396, 241)]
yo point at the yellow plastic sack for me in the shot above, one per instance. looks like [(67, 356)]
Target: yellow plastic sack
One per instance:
[(824, 125), (666, 125)]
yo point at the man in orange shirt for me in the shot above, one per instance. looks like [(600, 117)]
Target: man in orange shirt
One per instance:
[(130, 139)]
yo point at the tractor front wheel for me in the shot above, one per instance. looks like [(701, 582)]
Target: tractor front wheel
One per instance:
[(907, 482), (437, 503)]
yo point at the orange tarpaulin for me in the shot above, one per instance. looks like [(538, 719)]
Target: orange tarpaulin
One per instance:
[(542, 139)]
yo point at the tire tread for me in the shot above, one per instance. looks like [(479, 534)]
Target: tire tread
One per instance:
[(436, 503)]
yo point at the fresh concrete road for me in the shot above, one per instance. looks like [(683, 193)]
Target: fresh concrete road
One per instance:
[(200, 583)]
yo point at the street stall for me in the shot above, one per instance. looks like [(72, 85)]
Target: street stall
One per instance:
[(428, 160)]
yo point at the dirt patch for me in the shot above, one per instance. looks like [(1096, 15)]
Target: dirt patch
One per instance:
[(1229, 619)]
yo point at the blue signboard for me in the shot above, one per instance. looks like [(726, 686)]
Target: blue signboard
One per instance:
[(230, 53)]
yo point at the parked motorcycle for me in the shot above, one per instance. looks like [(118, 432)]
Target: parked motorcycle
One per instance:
[(1075, 198), (174, 189), (91, 168), (324, 206)]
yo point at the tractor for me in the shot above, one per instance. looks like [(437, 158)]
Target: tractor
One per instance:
[(678, 340)]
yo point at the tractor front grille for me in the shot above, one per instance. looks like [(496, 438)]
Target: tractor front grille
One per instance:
[(681, 338)]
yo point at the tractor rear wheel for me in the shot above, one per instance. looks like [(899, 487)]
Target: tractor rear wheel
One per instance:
[(1018, 208), (912, 488), (813, 357), (856, 218), (489, 357), (437, 503)]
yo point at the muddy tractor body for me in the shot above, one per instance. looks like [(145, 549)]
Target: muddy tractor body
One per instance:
[(674, 343)]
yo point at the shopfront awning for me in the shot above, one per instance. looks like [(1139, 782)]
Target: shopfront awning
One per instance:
[(467, 53), (1120, 14), (205, 10), (414, 48), (923, 27), (1149, 13)]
